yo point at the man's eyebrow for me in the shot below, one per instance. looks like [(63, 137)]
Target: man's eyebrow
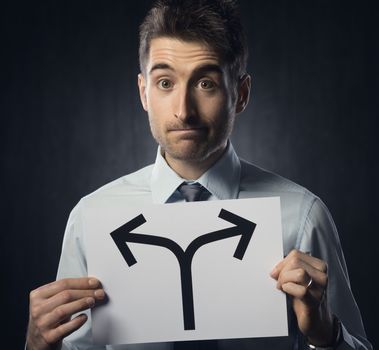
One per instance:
[(201, 69), (210, 68), (160, 66)]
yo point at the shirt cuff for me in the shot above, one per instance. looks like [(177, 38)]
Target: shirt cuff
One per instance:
[(346, 341)]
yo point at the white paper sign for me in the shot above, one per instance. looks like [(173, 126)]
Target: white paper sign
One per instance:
[(185, 271)]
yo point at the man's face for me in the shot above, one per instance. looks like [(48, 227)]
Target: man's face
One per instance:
[(188, 96)]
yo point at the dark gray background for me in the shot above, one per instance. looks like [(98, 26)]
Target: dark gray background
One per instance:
[(71, 121)]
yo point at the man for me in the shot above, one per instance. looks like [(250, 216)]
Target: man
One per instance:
[(193, 83)]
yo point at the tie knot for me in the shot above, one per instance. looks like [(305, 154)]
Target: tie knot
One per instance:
[(192, 192)]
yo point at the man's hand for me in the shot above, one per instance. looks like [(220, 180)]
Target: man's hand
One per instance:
[(305, 279), (52, 306)]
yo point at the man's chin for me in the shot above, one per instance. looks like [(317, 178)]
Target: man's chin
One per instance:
[(189, 154), (187, 157)]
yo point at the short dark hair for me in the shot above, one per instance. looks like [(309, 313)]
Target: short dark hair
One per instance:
[(215, 22)]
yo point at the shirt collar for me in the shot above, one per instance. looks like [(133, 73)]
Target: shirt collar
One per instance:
[(221, 180)]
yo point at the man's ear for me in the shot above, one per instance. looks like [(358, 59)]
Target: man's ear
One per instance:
[(142, 90), (243, 93)]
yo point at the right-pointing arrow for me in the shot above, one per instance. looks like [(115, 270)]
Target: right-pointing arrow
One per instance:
[(245, 227)]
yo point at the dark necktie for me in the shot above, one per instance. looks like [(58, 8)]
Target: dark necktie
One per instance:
[(192, 193)]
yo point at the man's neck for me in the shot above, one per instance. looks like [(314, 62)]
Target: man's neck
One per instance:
[(193, 169)]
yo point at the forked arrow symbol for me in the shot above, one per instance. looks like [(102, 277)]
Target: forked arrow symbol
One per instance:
[(243, 227)]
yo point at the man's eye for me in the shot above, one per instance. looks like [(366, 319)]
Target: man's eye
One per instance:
[(165, 84), (206, 84)]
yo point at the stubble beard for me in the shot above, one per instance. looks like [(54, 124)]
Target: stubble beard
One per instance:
[(197, 152)]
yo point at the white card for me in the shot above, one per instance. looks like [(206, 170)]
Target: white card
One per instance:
[(185, 271)]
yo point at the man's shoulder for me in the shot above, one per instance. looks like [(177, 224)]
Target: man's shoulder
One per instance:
[(261, 181), (133, 188), (136, 183)]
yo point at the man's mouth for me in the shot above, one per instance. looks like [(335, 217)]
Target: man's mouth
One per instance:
[(189, 132), (188, 129)]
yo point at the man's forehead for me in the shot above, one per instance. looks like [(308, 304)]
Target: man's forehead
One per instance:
[(179, 53)]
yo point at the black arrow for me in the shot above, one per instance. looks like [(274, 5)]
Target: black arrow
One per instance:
[(243, 227)]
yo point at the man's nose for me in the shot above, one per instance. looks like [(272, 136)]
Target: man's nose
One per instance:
[(185, 105)]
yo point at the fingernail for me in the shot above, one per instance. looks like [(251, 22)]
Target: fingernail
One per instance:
[(93, 282), (99, 294), (90, 302)]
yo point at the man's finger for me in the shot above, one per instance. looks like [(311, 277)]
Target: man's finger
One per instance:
[(298, 276), (302, 275), (64, 312), (55, 335), (66, 297), (309, 297), (56, 287), (294, 289), (295, 259)]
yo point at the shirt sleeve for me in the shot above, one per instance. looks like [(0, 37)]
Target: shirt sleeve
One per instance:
[(73, 264), (320, 237)]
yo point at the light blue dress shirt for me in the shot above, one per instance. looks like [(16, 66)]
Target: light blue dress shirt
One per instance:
[(306, 222)]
